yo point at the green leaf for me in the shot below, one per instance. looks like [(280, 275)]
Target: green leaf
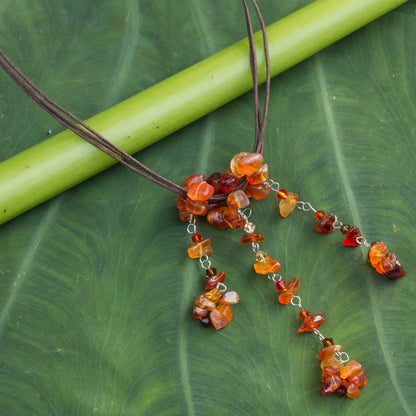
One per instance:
[(96, 288)]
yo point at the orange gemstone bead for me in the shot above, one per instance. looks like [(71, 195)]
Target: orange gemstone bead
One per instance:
[(201, 249), (230, 297), (213, 294), (196, 238), (216, 217), (330, 384), (258, 177), (214, 280), (350, 369), (359, 378), (290, 290), (180, 201), (237, 199), (286, 206), (376, 253), (225, 310), (184, 215), (260, 191), (199, 208), (203, 302), (233, 218), (192, 179), (265, 264), (198, 312), (249, 164), (214, 180), (311, 322), (200, 191), (326, 225), (217, 319), (252, 238), (235, 161), (228, 182)]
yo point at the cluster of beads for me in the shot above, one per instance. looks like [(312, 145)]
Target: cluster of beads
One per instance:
[(243, 165), (379, 257), (212, 308), (343, 380)]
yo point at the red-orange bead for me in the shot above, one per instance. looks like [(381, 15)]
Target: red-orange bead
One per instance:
[(199, 208), (234, 162), (249, 164), (216, 217), (196, 238), (201, 249), (237, 199), (261, 175), (200, 191), (260, 191), (320, 215), (311, 322), (228, 182), (290, 290), (252, 238), (214, 280), (192, 179), (233, 218), (326, 225), (214, 180)]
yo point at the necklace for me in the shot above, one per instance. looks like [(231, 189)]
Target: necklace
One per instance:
[(280, 225)]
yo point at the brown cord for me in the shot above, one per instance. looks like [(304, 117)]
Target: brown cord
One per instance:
[(70, 121)]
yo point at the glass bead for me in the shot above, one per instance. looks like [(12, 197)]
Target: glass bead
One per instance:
[(228, 183), (350, 369), (203, 302), (330, 384), (261, 175), (231, 297), (192, 179), (311, 322), (198, 313), (214, 280), (281, 194), (218, 321), (280, 285), (320, 215), (213, 295), (268, 266), (249, 164), (200, 191), (205, 322), (396, 273), (225, 310), (286, 206), (351, 237), (326, 225), (289, 291), (249, 227), (233, 218), (199, 208), (196, 238), (234, 161), (201, 249), (359, 379), (216, 218), (252, 238), (237, 199), (211, 271), (261, 256), (214, 180), (344, 228), (260, 191)]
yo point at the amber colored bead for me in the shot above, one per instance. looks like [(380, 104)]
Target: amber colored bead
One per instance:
[(351, 237), (286, 206), (344, 228), (184, 215), (214, 280), (280, 285), (260, 191), (353, 392), (350, 369), (326, 225), (199, 208), (269, 265), (198, 313), (252, 238), (216, 217), (396, 273), (192, 179), (231, 297), (214, 180), (211, 271), (341, 391), (261, 175), (281, 194), (333, 362), (237, 199), (196, 238), (180, 201), (290, 290), (388, 263), (377, 252), (359, 378), (228, 182), (328, 352), (200, 191), (330, 384), (329, 371), (233, 218), (205, 322), (201, 249), (234, 162), (217, 319), (203, 302), (213, 295), (311, 322), (320, 215), (225, 310), (249, 164)]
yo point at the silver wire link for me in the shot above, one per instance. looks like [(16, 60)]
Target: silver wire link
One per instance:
[(337, 223), (342, 356), (296, 301), (274, 186), (191, 228), (221, 287), (205, 262), (318, 334), (363, 241), (274, 277), (245, 213), (305, 206), (255, 247)]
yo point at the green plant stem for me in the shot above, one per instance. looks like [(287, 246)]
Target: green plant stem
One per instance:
[(43, 171)]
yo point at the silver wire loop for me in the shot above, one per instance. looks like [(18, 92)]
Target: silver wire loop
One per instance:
[(221, 287), (343, 357), (274, 277), (191, 228), (305, 206), (246, 213), (362, 241), (296, 301), (205, 262), (337, 224), (318, 334), (255, 247), (274, 186)]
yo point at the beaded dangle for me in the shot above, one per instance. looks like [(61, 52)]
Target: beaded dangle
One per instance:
[(383, 261)]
